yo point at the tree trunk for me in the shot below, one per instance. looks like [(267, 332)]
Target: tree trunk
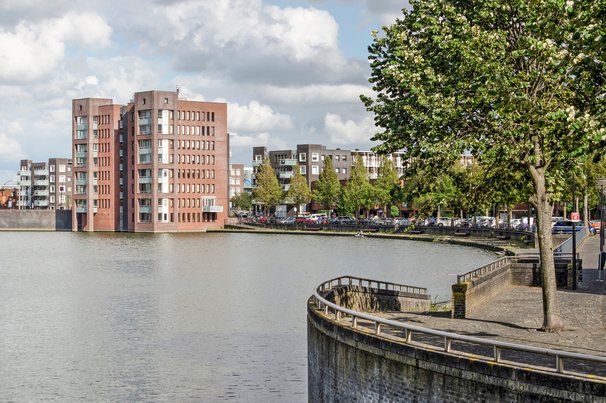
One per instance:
[(551, 310)]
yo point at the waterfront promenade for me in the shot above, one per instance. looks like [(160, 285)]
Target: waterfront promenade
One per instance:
[(516, 314)]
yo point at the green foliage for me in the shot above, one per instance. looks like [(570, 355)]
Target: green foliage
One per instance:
[(518, 84), (242, 201), (298, 192), (268, 191), (386, 183), (328, 186), (357, 192)]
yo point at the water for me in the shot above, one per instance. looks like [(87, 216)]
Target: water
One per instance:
[(182, 317)]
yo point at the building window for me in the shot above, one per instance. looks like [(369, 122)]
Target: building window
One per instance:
[(314, 157), (303, 169), (344, 171), (302, 157), (336, 158), (315, 170), (345, 158), (165, 100)]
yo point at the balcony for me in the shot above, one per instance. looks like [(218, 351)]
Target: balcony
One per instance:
[(25, 183), (289, 162), (81, 210), (40, 172), (286, 175), (212, 209), (145, 179), (41, 193), (81, 154), (80, 135), (257, 163), (82, 126), (24, 173), (144, 121), (145, 209), (81, 182), (40, 203)]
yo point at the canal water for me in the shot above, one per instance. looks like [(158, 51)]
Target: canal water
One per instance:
[(182, 317)]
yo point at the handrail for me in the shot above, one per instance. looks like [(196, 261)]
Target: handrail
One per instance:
[(364, 282), (506, 260), (497, 346)]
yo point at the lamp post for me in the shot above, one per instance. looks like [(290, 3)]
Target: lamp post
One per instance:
[(601, 183)]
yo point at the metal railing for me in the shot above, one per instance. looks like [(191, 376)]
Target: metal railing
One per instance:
[(497, 347), (368, 283)]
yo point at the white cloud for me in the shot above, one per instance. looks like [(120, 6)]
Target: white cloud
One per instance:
[(316, 94), (347, 131), (31, 51), (255, 117), (237, 140), (10, 149)]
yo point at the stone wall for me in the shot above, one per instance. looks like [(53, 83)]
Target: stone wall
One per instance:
[(36, 220), (351, 366), (364, 299)]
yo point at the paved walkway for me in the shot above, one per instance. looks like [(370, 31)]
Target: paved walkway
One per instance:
[(516, 314)]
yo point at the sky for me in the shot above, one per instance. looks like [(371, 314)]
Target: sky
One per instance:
[(291, 71)]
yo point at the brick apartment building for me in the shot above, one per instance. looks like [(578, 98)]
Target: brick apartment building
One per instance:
[(158, 164)]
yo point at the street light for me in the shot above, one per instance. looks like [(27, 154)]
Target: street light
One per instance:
[(601, 184), (574, 242)]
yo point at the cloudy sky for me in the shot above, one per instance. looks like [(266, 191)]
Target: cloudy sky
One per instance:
[(291, 71)]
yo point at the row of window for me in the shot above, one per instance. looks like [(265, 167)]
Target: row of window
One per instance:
[(145, 145), (183, 217)]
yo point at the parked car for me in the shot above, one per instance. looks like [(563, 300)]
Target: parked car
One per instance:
[(565, 227), (344, 220), (287, 220)]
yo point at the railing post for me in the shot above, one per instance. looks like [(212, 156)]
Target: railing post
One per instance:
[(326, 310), (377, 328), (447, 344), (559, 364), (354, 321), (338, 315), (497, 354)]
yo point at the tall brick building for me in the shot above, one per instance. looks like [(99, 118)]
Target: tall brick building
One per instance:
[(158, 164)]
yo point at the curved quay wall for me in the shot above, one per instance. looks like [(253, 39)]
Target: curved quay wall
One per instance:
[(350, 364)]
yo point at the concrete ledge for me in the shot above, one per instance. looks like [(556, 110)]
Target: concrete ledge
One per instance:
[(346, 364)]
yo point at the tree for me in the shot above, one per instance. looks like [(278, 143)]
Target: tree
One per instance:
[(519, 84), (299, 191), (387, 180), (328, 186), (357, 191), (268, 191), (241, 201)]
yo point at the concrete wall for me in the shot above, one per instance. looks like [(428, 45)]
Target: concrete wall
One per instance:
[(365, 299), (36, 220), (351, 366)]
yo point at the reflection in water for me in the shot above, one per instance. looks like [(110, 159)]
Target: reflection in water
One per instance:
[(172, 317)]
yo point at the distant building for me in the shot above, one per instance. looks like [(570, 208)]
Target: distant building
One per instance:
[(158, 164), (45, 185), (236, 179), (310, 158)]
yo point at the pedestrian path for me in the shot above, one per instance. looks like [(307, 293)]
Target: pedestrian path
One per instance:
[(516, 314)]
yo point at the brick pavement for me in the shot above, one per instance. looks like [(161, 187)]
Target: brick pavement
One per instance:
[(516, 314)]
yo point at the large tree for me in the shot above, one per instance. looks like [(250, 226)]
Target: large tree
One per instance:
[(268, 191), (328, 186), (298, 191), (519, 84)]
